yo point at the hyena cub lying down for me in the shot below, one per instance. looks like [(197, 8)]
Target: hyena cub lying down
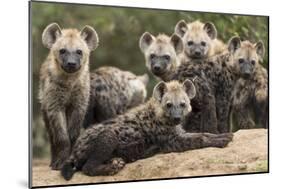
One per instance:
[(250, 94), (65, 86), (141, 132), (113, 91)]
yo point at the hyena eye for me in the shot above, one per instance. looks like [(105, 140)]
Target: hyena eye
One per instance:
[(167, 57), (79, 52), (203, 43), (62, 51), (182, 104), (189, 43), (253, 62), (152, 56), (169, 104), (241, 60)]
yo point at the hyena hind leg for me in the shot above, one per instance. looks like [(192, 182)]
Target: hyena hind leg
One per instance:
[(93, 167)]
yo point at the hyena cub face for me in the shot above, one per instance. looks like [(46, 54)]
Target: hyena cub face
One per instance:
[(160, 52), (197, 38), (246, 56), (70, 47), (174, 99)]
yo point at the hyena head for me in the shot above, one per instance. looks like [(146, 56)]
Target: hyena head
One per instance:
[(245, 56), (197, 38), (173, 99), (138, 89), (70, 48), (160, 52)]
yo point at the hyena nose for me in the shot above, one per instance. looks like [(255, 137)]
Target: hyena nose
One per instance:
[(177, 119), (197, 53), (156, 68), (71, 64)]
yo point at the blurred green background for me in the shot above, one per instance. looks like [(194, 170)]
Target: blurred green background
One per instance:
[(119, 30)]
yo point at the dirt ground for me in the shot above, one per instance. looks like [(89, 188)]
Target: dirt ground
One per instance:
[(246, 153)]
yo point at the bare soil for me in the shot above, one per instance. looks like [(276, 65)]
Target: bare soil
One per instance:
[(245, 154)]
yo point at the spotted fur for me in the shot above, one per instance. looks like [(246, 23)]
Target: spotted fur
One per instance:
[(113, 91)]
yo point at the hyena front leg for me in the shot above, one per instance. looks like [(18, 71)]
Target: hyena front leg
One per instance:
[(243, 116), (223, 107), (60, 143), (75, 118), (208, 113), (209, 116), (182, 141)]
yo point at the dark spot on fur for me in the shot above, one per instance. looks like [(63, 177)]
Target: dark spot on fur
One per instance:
[(100, 88)]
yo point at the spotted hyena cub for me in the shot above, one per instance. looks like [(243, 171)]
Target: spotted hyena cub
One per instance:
[(114, 91), (199, 39), (250, 95), (65, 86), (161, 53), (143, 131)]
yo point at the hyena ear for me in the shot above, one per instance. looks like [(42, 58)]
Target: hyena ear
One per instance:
[(260, 49), (159, 91), (189, 88), (234, 44), (50, 34), (90, 35), (181, 28), (144, 79), (177, 43), (211, 30), (145, 41)]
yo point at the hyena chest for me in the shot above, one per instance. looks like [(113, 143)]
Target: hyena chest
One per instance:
[(242, 92)]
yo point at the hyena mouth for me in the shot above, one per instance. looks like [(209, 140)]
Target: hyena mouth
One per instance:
[(246, 76), (158, 72), (71, 69)]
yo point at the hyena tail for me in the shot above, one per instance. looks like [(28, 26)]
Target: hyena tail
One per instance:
[(68, 170)]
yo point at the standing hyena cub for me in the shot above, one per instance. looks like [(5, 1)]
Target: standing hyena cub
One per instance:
[(250, 95), (139, 133), (199, 39), (65, 86)]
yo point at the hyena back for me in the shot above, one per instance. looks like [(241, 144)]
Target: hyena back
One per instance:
[(113, 91), (143, 131), (65, 86)]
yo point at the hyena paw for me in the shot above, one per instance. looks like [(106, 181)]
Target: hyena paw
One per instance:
[(248, 124), (218, 140), (58, 163), (116, 164)]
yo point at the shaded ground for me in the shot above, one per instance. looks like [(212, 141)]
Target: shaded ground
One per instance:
[(247, 153)]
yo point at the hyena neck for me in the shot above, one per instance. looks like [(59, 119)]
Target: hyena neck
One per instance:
[(157, 113), (167, 76)]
